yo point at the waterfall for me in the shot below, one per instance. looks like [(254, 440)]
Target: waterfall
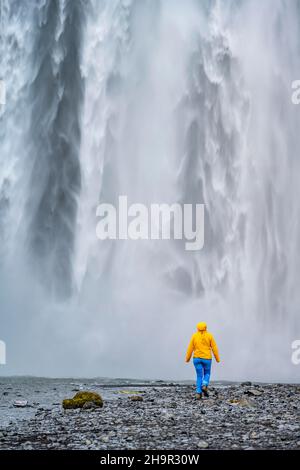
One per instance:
[(163, 101)]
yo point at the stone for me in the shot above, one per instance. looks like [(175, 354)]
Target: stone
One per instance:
[(169, 416), (27, 446), (136, 398), (240, 402), (202, 445), (254, 392), (246, 384), (20, 403), (89, 405), (79, 400)]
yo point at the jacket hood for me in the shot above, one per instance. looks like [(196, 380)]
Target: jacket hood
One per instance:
[(201, 326)]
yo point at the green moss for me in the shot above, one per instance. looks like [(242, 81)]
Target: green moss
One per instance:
[(81, 398)]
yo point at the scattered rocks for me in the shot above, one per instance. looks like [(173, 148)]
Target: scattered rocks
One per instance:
[(81, 398), (234, 420)]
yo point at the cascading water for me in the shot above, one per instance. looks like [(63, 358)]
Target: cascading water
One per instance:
[(163, 101)]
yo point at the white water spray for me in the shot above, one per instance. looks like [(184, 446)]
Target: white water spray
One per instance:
[(164, 102)]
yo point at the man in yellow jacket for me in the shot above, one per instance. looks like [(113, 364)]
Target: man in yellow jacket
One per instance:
[(201, 344)]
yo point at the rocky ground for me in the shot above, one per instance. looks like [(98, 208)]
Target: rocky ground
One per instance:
[(239, 416)]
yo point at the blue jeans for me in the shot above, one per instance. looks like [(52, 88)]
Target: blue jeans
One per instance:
[(203, 367)]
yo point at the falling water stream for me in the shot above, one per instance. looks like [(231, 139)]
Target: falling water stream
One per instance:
[(164, 101)]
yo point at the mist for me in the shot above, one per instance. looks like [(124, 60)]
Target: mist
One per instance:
[(163, 101)]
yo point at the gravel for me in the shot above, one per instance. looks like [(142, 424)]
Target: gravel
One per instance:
[(167, 417)]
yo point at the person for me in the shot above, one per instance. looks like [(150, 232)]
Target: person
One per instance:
[(202, 343)]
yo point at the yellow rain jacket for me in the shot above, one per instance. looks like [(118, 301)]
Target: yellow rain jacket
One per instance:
[(201, 344)]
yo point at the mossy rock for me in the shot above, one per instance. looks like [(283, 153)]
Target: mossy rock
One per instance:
[(79, 400), (136, 398)]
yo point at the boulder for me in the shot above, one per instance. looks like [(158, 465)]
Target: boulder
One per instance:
[(81, 398), (136, 398)]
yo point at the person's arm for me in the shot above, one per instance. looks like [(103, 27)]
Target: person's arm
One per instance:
[(190, 350), (214, 348)]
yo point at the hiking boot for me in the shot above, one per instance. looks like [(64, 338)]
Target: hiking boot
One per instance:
[(198, 396), (205, 392)]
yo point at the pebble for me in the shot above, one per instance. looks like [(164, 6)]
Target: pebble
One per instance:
[(202, 445)]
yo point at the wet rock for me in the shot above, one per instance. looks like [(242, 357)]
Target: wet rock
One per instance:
[(246, 384)]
